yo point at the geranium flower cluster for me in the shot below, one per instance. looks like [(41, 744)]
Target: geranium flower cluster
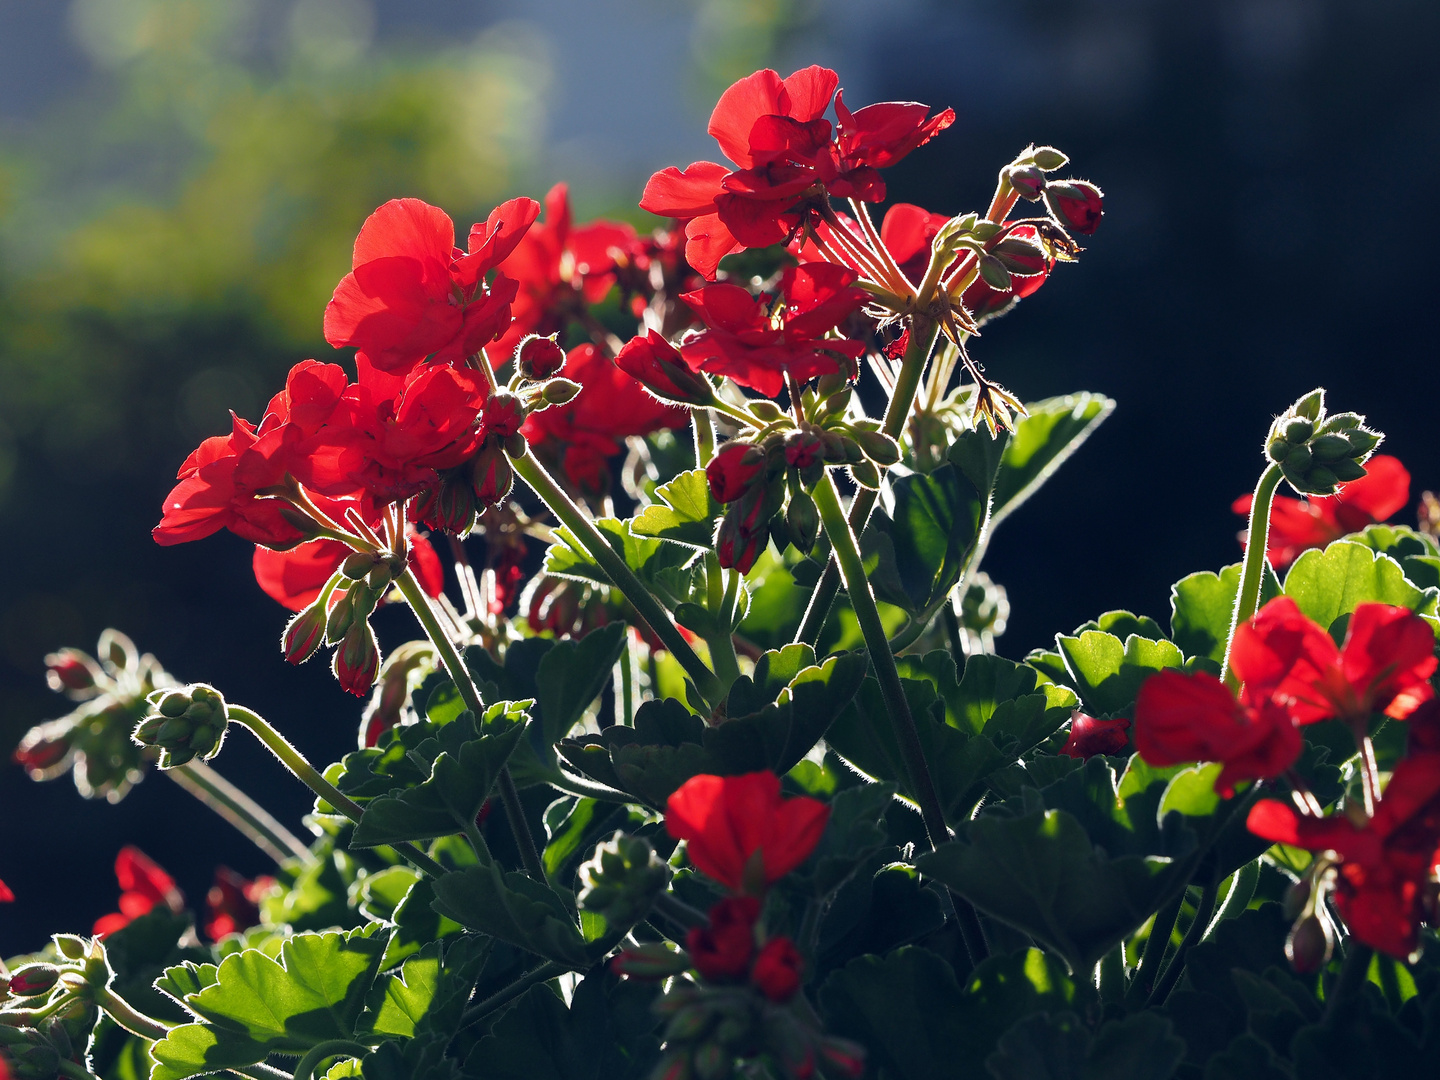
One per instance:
[(1377, 857)]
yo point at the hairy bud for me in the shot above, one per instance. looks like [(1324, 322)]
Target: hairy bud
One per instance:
[(538, 358), (184, 724)]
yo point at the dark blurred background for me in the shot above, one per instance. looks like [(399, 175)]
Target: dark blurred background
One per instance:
[(181, 180)]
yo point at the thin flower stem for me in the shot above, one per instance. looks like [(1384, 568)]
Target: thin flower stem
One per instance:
[(249, 817), (923, 332), (868, 615), (1352, 977), (857, 251), (676, 910), (328, 1049), (544, 973), (1155, 946), (704, 422), (867, 226), (627, 684), (1370, 771), (306, 773), (123, 1014), (1252, 570), (409, 587), (620, 575)]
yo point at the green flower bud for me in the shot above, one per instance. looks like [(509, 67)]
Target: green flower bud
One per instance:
[(767, 412), (865, 474), (1299, 430), (853, 451), (516, 445), (559, 391), (356, 566), (341, 615), (1346, 470), (879, 447), (1048, 158), (993, 271), (1328, 448), (1299, 459), (197, 731), (378, 579), (1277, 449), (802, 522), (622, 879)]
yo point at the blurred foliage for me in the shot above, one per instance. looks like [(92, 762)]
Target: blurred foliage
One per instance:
[(732, 38), (168, 241)]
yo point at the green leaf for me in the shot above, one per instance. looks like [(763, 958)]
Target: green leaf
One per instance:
[(1203, 604), (920, 545), (417, 923), (879, 908), (1139, 1047), (571, 676), (686, 513), (513, 908), (466, 762), (853, 834), (1191, 791), (1043, 440), (774, 671), (654, 561), (399, 1001), (1041, 1047), (253, 1005), (1041, 874), (917, 1023), (1107, 674), (1333, 582)]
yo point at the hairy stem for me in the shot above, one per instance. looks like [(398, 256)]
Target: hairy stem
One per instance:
[(620, 575), (1252, 570), (922, 338), (868, 615), (544, 973), (249, 817), (1352, 976), (306, 773), (123, 1014), (459, 674), (704, 421)]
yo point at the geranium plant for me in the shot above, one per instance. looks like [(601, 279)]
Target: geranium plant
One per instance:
[(702, 762)]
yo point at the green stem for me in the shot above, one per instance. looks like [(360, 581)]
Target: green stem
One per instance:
[(627, 684), (1110, 975), (620, 575), (704, 421), (544, 973), (123, 1014), (923, 331), (1242, 891), (249, 817), (1252, 571), (676, 910), (306, 773), (1155, 946), (1352, 975), (868, 615), (328, 1049), (1176, 967), (459, 674), (721, 641)]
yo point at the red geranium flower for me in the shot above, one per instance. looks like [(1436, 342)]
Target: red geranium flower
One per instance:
[(6, 896), (723, 949), (559, 270), (592, 426), (658, 366), (1296, 525), (1385, 863), (144, 887), (745, 341), (1385, 665), (786, 160), (223, 484), (1181, 718), (728, 820), (1089, 736), (233, 903), (412, 293), (777, 969)]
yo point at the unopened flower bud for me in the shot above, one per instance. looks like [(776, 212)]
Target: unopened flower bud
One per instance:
[(516, 445), (36, 1062), (1048, 159), (1027, 180), (802, 522), (490, 474), (185, 724), (338, 621), (622, 878), (1076, 204), (504, 413), (1277, 449), (738, 548), (559, 391), (689, 1023), (660, 368), (733, 470), (1299, 430), (767, 412), (865, 474), (879, 447), (356, 662), (448, 508), (71, 672), (1309, 945), (777, 969), (32, 980), (537, 358), (1297, 899), (993, 271)]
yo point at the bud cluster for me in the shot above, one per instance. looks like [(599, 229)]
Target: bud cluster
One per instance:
[(46, 1017), (1075, 204), (1317, 451), (187, 723), (94, 739), (622, 879)]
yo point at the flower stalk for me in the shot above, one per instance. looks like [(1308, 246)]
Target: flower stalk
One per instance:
[(1252, 571)]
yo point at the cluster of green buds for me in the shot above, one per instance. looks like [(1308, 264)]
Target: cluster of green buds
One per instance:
[(714, 1033), (186, 723), (982, 609), (48, 1012), (757, 480), (1318, 451), (622, 879), (94, 741)]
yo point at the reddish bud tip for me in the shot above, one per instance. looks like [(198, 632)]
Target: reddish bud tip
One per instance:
[(1076, 204), (32, 980), (537, 358), (304, 634)]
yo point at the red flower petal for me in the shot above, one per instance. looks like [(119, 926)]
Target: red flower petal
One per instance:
[(684, 194)]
